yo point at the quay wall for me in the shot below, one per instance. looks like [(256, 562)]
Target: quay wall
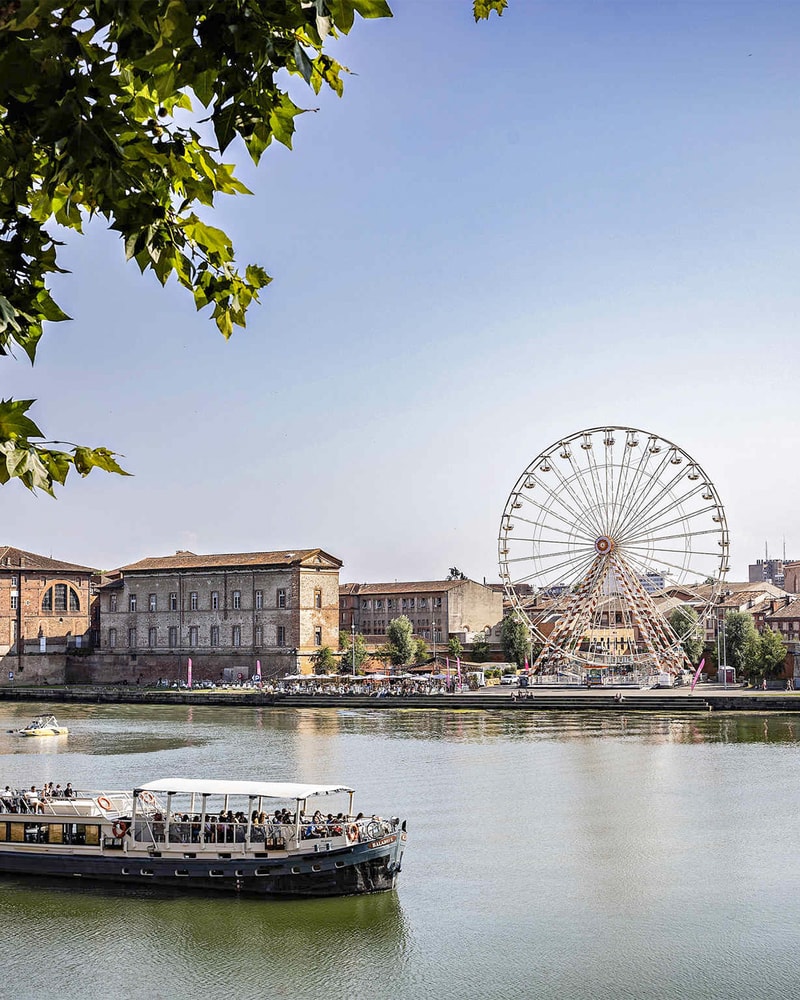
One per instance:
[(562, 701)]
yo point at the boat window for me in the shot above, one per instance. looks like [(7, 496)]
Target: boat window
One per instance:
[(182, 872), (216, 872), (316, 868), (262, 871)]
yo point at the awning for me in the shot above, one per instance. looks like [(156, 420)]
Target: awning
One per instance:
[(262, 789)]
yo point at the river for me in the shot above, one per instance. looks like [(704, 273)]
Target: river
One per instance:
[(549, 856)]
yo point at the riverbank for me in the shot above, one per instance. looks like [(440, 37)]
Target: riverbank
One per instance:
[(706, 699)]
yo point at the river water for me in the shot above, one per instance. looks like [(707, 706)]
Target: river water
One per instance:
[(550, 856)]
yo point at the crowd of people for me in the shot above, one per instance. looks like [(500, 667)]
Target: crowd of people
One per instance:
[(33, 799), (229, 827)]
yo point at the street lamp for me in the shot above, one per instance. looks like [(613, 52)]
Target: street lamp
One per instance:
[(353, 643)]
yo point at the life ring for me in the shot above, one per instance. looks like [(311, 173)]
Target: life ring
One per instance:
[(148, 798), (241, 677), (352, 833), (119, 829), (104, 803)]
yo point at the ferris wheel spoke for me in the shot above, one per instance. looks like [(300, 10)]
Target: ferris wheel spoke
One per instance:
[(648, 565), (681, 519), (576, 565), (548, 511), (653, 499), (635, 489), (587, 516), (593, 500), (650, 491), (551, 513), (649, 539), (652, 516)]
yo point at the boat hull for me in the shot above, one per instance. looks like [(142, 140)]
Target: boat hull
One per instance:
[(362, 868)]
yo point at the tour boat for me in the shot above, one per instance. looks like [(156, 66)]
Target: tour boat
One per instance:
[(43, 726), (254, 837)]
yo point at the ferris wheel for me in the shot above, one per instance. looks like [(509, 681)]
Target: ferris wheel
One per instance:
[(595, 530)]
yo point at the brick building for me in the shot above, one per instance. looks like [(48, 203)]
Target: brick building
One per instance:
[(226, 612), (44, 603)]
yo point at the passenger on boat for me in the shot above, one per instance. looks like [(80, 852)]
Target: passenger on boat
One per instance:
[(158, 826), (68, 791)]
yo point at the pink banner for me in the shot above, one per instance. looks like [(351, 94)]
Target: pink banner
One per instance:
[(189, 673), (458, 665), (258, 669), (697, 675)]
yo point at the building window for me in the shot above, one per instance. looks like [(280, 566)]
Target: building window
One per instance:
[(112, 637), (318, 598), (280, 597), (422, 604), (193, 635), (391, 604), (193, 600), (259, 635), (173, 636), (14, 581), (236, 635), (259, 599), (55, 597), (112, 602), (215, 635), (405, 604), (132, 638), (365, 604), (437, 603), (317, 636), (281, 637), (214, 600), (14, 602), (132, 602), (237, 600), (152, 637), (173, 601), (378, 604), (152, 602)]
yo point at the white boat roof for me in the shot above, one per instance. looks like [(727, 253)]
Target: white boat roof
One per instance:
[(264, 789)]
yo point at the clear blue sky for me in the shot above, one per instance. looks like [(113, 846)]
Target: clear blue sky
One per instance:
[(578, 214)]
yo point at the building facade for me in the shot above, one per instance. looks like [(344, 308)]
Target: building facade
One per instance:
[(226, 612), (437, 609), (44, 603)]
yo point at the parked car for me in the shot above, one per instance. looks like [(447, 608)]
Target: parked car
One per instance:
[(508, 679)]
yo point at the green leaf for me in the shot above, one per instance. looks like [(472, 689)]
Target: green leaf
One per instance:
[(482, 9)]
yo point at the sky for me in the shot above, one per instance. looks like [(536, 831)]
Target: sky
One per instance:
[(578, 214)]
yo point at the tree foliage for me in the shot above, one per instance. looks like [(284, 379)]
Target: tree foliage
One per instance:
[(480, 651), (324, 661), (454, 647), (99, 117), (421, 651), (515, 639), (740, 635), (685, 623), (400, 640), (102, 105), (454, 573), (764, 655), (351, 658)]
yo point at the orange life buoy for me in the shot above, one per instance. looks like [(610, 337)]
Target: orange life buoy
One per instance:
[(352, 833), (119, 829), (148, 797), (104, 803)]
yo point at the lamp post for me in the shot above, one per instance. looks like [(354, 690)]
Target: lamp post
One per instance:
[(353, 643)]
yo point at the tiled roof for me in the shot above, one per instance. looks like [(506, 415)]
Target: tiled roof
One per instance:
[(791, 610), (425, 587), (11, 558), (238, 560)]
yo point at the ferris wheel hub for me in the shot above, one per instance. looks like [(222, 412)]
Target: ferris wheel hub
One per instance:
[(604, 544)]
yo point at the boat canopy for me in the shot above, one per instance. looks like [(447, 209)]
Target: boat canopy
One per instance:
[(257, 789)]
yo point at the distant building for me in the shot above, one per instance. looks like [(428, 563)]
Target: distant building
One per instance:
[(437, 609), (226, 612), (768, 571), (791, 576), (44, 603)]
